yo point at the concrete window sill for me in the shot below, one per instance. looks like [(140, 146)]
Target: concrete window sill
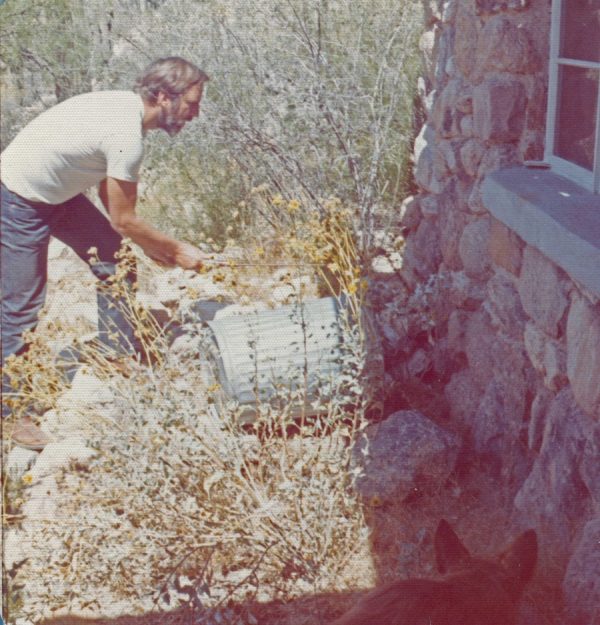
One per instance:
[(551, 213)]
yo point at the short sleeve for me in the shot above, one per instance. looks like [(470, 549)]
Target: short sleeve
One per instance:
[(124, 154)]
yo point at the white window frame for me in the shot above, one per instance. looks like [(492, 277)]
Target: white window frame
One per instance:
[(579, 175)]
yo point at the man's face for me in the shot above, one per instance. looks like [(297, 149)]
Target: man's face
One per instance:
[(176, 112)]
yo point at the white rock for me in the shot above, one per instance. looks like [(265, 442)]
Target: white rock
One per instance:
[(57, 249), (19, 461), (166, 288), (382, 265), (13, 551), (86, 389), (42, 503), (64, 422), (283, 294), (88, 311), (59, 455)]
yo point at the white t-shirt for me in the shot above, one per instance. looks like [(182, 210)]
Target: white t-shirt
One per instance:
[(74, 145)]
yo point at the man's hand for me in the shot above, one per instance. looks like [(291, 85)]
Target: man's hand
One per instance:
[(120, 197), (189, 257)]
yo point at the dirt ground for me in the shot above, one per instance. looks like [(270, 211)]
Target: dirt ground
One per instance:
[(402, 546)]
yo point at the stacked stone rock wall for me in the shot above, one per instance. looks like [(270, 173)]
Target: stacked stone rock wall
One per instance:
[(522, 337)]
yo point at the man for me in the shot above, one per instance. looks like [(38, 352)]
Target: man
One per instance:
[(91, 139)]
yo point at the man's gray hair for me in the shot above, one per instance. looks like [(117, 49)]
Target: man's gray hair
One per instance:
[(171, 75)]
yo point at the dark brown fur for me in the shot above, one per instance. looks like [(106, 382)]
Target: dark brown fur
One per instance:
[(477, 592)]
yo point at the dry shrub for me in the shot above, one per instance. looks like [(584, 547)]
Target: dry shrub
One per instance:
[(185, 506)]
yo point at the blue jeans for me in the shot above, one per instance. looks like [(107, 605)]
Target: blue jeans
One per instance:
[(26, 228)]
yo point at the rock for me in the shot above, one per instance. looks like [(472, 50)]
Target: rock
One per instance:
[(473, 248), (58, 249), (581, 584), (467, 25), (451, 226), (410, 213), (504, 306), (426, 174), (167, 289), (457, 322), (464, 395), (63, 422), (13, 551), (554, 493), (471, 154), (422, 252), (428, 48), (583, 354), (19, 460), (187, 344), (465, 292), (405, 452), (499, 110), (430, 206), (506, 249), (42, 502), (537, 420), (497, 6), (447, 156), (480, 337), (446, 116), (590, 467), (496, 429), (419, 363), (57, 456), (86, 389), (548, 357), (505, 47), (382, 266), (541, 291)]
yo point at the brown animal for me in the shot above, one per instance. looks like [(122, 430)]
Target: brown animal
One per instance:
[(477, 591)]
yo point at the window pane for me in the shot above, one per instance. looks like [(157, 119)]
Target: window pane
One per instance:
[(581, 30), (576, 115)]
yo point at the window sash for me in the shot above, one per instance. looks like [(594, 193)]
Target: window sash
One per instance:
[(582, 176)]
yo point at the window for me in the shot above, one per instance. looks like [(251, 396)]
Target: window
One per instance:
[(573, 125)]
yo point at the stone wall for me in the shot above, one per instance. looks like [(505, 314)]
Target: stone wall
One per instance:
[(513, 340)]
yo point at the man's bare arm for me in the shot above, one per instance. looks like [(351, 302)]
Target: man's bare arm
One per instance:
[(119, 197)]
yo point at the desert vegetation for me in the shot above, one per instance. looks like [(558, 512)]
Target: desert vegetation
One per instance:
[(290, 177)]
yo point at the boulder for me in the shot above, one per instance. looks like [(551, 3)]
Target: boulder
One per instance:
[(581, 584), (402, 454), (590, 467), (59, 455), (554, 494), (18, 461), (504, 46), (542, 292), (583, 354), (473, 248), (504, 305), (506, 249), (499, 109)]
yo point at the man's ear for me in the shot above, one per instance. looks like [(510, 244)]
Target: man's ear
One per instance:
[(163, 98)]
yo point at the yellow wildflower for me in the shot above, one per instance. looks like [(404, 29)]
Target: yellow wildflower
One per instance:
[(352, 288), (293, 206), (27, 478)]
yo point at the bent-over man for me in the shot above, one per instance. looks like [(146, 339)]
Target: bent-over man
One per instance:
[(90, 139)]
